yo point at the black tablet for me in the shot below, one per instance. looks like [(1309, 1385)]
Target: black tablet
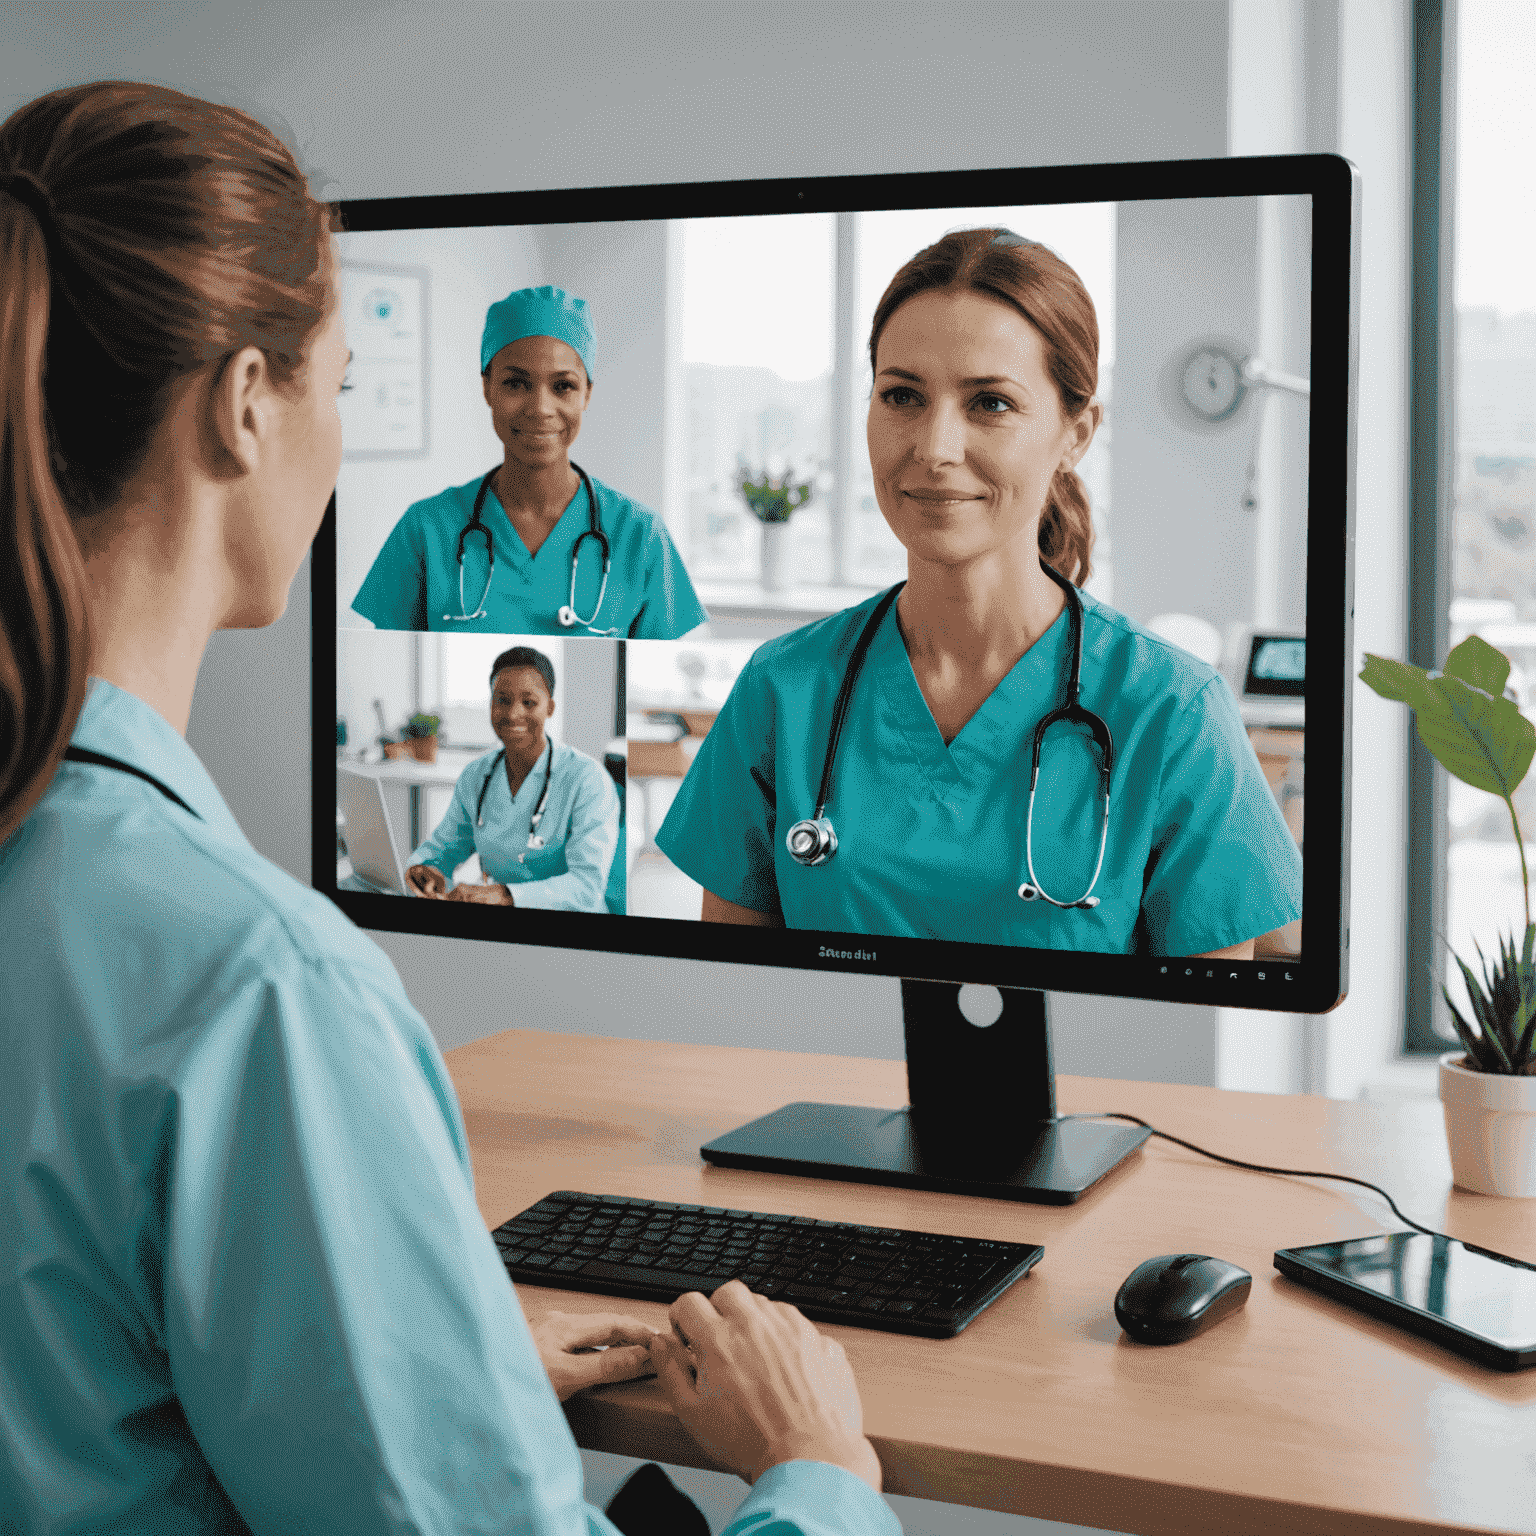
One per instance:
[(1480, 1304)]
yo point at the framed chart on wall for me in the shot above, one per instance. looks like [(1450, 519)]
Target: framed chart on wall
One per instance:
[(384, 411)]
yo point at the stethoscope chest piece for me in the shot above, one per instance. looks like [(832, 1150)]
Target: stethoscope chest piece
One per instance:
[(812, 841), (1028, 892)]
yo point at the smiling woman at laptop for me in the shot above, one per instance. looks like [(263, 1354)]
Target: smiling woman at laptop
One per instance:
[(543, 817)]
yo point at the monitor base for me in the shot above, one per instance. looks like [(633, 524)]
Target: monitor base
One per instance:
[(1049, 1163)]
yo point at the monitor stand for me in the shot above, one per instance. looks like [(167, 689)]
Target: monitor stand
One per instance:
[(980, 1120)]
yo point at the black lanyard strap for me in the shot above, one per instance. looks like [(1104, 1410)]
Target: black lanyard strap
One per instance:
[(101, 760)]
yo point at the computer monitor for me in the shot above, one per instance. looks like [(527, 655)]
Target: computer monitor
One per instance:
[(638, 433)]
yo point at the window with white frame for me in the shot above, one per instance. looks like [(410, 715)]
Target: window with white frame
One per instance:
[(1493, 529)]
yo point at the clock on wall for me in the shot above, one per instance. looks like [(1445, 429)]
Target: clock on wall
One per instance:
[(1213, 381)]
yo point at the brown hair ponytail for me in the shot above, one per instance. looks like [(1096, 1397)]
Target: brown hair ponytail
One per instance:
[(143, 235), (1034, 280), (43, 647)]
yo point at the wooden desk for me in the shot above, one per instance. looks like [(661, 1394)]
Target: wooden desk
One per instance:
[(1298, 1415)]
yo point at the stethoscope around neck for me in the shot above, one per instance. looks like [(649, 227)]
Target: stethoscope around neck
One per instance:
[(568, 617), (535, 842), (814, 840)]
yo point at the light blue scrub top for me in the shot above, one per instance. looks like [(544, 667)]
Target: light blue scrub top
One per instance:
[(414, 581), (580, 828), (244, 1284), (931, 837)]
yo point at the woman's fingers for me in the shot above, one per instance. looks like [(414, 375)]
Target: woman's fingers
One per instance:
[(624, 1362), (674, 1372), (583, 1330)]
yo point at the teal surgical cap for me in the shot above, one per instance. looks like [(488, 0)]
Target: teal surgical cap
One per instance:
[(542, 311)]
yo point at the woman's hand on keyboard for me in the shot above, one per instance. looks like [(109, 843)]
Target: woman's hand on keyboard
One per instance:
[(756, 1384), (586, 1349)]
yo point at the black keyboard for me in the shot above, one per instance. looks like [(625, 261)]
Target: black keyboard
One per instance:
[(924, 1283)]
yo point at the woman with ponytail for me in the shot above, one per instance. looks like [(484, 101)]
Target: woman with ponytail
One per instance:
[(984, 350), (244, 1283)]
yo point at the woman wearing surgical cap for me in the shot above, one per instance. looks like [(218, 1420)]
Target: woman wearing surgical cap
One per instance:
[(536, 546)]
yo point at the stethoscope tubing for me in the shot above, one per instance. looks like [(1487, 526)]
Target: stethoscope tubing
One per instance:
[(568, 617), (534, 840), (813, 841)]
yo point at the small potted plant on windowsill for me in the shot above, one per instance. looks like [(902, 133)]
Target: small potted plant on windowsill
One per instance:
[(1488, 1088), (773, 500), (421, 736)]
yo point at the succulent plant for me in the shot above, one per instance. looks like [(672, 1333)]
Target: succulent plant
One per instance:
[(1464, 717), (1504, 1005), (421, 725)]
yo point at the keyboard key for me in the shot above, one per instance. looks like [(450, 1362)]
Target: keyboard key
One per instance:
[(538, 1261), (567, 1266), (900, 1308), (946, 1316), (824, 1295), (681, 1280), (871, 1304)]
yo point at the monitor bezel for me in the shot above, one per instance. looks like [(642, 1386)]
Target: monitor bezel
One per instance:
[(1313, 984)]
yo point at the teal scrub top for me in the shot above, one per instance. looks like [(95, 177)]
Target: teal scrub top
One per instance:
[(580, 828), (414, 580), (931, 838), (244, 1284)]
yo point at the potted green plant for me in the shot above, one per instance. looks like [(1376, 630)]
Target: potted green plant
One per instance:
[(421, 735), (1488, 1088), (773, 500)]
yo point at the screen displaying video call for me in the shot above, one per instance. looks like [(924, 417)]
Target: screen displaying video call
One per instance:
[(658, 595)]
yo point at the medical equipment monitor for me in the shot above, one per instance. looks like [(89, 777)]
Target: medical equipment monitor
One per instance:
[(883, 574), (1277, 664)]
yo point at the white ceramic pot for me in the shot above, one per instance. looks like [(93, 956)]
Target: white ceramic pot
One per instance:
[(776, 557), (1490, 1125)]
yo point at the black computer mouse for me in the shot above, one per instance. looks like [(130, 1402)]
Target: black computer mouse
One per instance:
[(1171, 1298)]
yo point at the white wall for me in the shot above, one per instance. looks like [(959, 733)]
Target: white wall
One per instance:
[(1328, 76), (621, 271), (1186, 273)]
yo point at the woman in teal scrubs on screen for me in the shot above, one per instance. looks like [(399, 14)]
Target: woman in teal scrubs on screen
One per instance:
[(244, 1282), (536, 546), (1150, 828), (543, 817)]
